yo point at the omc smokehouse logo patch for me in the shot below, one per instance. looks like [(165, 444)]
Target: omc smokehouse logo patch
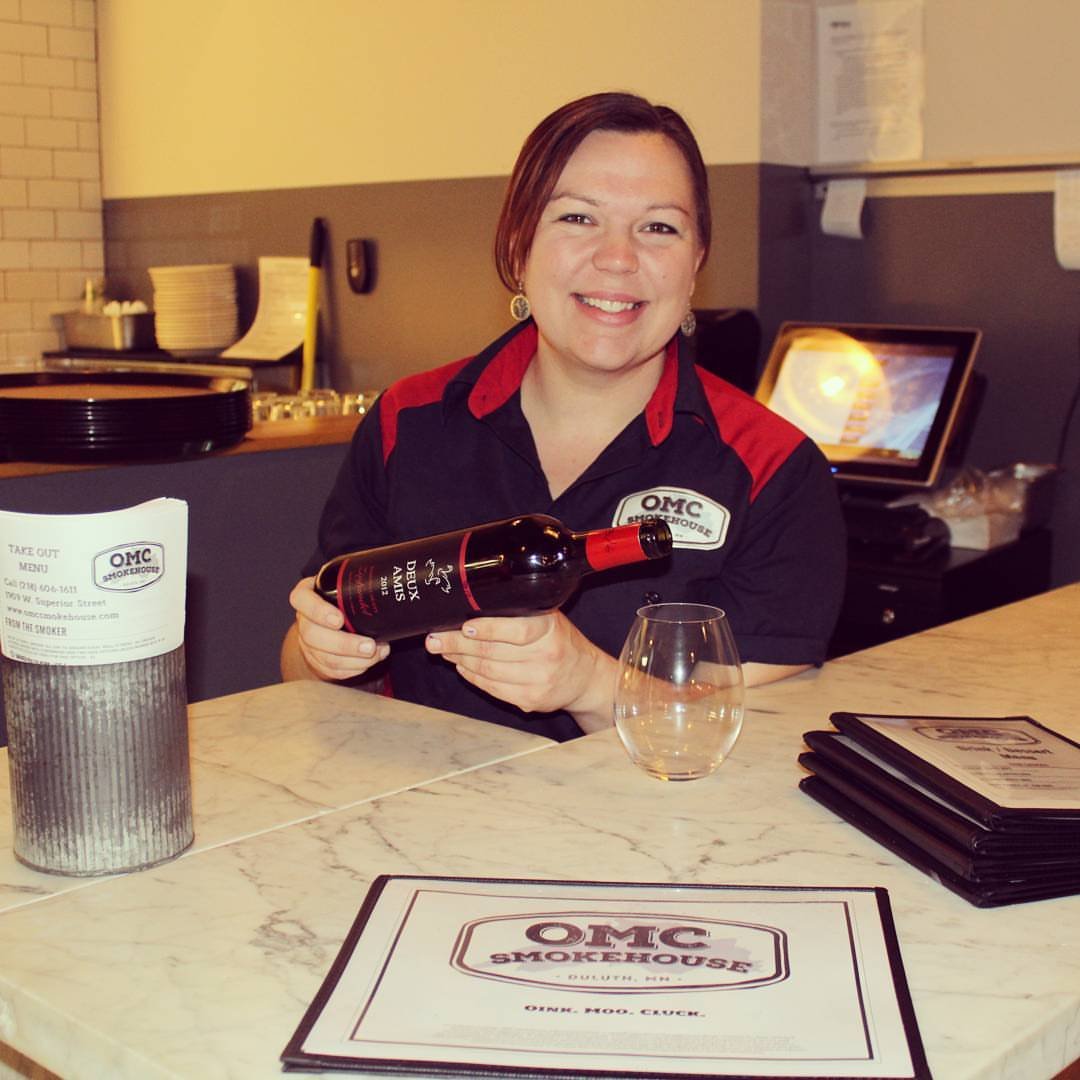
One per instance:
[(129, 567), (694, 520), (975, 733), (621, 953)]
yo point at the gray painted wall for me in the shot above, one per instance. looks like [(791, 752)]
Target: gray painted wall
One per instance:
[(436, 298), (984, 260)]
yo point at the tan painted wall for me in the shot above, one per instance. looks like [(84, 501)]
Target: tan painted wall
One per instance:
[(233, 95), (1002, 78)]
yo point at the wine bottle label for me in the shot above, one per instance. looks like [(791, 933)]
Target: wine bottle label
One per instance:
[(613, 547), (420, 586), (521, 566)]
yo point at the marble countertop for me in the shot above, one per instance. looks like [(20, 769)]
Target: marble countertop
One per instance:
[(203, 967), (271, 757)]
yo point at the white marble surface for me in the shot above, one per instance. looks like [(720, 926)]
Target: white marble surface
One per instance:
[(203, 967), (1018, 659), (281, 754)]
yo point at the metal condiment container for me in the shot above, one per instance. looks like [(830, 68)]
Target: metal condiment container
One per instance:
[(93, 330)]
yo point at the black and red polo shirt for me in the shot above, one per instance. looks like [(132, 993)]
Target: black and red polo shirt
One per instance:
[(749, 499)]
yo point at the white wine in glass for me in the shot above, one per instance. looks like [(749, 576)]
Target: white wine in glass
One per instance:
[(679, 695)]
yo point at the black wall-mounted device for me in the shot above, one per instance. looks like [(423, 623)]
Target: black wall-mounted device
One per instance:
[(360, 265)]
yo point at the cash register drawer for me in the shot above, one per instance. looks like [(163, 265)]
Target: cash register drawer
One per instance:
[(893, 606), (886, 599)]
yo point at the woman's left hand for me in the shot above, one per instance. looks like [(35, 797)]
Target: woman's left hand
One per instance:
[(540, 663)]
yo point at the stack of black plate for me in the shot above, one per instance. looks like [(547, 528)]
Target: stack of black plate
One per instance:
[(101, 412)]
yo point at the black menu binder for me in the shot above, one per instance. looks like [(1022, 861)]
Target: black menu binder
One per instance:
[(989, 807), (512, 978), (839, 753), (980, 894), (1023, 749)]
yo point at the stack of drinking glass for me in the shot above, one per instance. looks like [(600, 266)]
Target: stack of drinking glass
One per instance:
[(306, 405)]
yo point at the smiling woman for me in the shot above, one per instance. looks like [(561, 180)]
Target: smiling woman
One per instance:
[(587, 411)]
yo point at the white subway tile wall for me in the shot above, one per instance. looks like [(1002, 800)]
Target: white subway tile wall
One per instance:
[(50, 170)]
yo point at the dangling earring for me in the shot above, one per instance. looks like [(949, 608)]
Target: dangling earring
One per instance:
[(689, 323), (520, 308)]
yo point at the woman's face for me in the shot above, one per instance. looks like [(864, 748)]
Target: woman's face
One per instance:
[(612, 263)]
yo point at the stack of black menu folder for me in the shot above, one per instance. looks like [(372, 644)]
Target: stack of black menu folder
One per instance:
[(987, 806)]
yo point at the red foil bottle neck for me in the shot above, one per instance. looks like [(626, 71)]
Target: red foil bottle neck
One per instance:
[(614, 547)]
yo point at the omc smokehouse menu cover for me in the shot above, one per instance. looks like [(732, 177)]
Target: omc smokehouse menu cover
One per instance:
[(501, 977)]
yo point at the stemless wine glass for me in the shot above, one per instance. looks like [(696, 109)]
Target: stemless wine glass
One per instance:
[(679, 695)]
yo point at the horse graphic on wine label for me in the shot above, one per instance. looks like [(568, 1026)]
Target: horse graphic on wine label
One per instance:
[(438, 576)]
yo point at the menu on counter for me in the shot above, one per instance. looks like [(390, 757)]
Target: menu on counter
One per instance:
[(1005, 768), (499, 977), (278, 327), (83, 589)]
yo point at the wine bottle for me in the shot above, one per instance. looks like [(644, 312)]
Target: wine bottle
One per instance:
[(519, 566)]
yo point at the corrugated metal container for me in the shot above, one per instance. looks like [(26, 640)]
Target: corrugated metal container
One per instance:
[(100, 772)]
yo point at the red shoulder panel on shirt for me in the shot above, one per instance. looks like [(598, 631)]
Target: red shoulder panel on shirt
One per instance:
[(502, 377), (762, 439), (424, 388)]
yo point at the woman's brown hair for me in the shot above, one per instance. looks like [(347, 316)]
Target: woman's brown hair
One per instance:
[(550, 146)]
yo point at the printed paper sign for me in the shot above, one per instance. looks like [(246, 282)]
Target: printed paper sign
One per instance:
[(81, 589), (870, 81)]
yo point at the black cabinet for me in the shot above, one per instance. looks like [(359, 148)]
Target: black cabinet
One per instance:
[(888, 597)]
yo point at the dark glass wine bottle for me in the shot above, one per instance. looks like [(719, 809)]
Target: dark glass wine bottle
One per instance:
[(520, 566)]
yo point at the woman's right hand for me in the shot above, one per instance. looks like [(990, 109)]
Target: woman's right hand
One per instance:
[(318, 641)]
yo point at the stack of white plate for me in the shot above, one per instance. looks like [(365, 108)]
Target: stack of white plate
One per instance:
[(194, 307)]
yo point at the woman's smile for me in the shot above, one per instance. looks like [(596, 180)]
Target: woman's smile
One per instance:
[(608, 305)]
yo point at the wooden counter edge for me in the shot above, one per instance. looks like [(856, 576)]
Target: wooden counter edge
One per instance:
[(265, 435)]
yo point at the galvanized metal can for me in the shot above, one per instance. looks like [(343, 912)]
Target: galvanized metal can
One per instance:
[(100, 770)]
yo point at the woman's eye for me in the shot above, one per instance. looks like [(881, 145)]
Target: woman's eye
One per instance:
[(661, 227), (575, 219)]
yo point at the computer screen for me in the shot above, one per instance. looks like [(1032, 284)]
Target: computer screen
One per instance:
[(880, 401)]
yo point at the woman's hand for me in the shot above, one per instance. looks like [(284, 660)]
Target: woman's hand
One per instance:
[(540, 663), (317, 647)]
